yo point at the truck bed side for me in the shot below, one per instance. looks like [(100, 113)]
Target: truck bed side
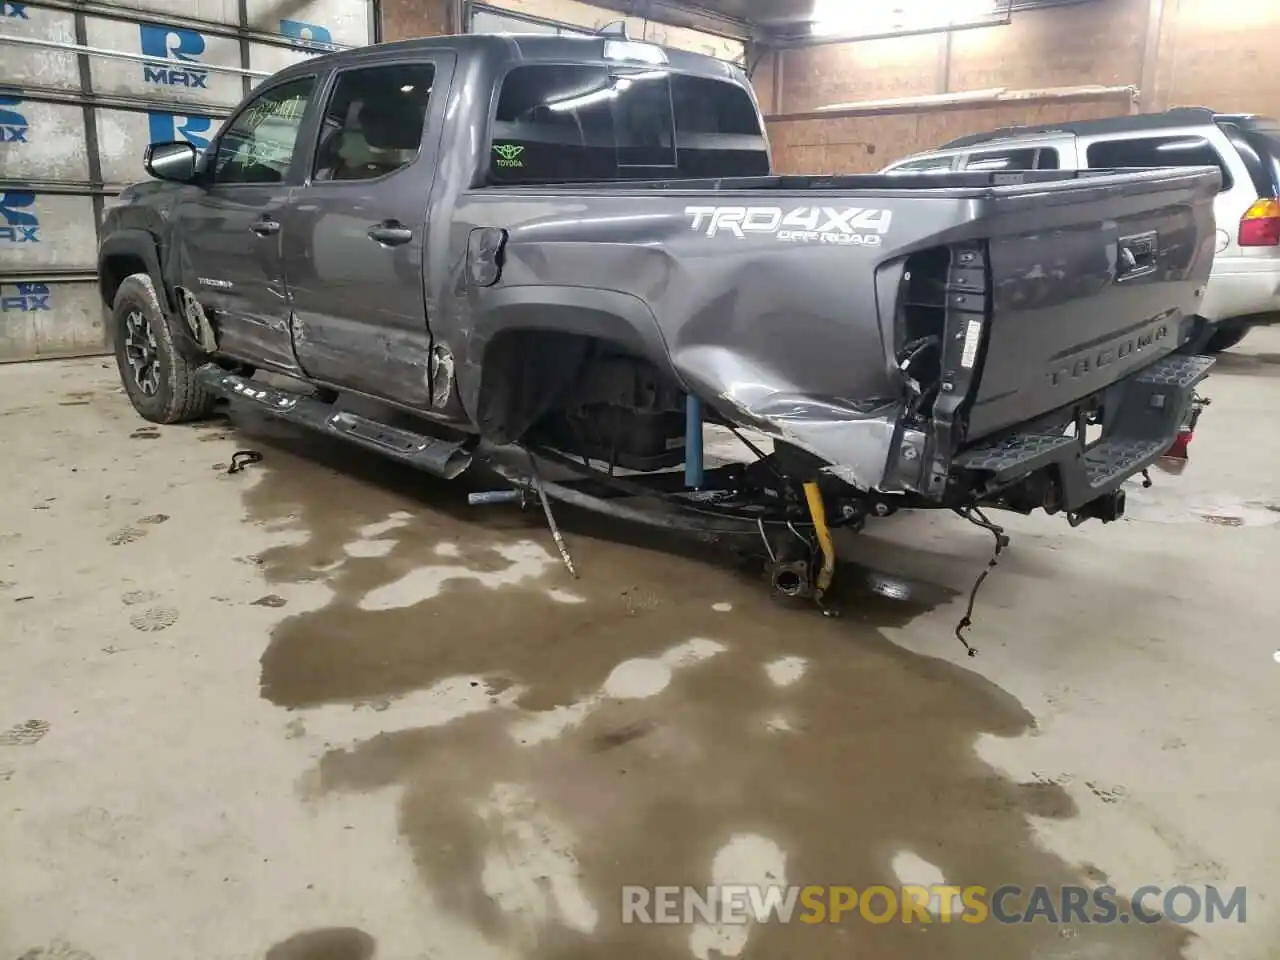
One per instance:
[(787, 303)]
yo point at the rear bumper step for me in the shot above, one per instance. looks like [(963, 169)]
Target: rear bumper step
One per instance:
[(1143, 415), (434, 455)]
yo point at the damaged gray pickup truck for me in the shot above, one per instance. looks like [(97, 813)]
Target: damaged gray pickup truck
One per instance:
[(573, 248)]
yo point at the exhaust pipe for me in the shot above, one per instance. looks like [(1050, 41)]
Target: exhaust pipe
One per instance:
[(791, 581)]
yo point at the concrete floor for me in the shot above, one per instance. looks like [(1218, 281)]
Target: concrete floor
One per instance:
[(322, 709)]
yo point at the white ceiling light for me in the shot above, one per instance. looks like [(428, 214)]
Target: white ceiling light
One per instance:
[(855, 18)]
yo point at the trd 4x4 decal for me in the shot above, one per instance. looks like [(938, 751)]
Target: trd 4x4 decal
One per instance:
[(853, 226)]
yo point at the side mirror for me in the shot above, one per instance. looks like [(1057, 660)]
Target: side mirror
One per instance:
[(171, 161)]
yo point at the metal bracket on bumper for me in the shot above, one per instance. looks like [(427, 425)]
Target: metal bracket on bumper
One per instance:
[(1143, 414)]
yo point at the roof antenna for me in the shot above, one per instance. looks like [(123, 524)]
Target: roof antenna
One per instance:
[(614, 28)]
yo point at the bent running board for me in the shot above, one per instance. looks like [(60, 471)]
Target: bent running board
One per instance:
[(434, 455)]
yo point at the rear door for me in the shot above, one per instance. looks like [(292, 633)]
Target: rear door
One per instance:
[(228, 230), (355, 233)]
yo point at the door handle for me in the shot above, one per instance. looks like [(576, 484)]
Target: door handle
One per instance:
[(390, 233), (265, 227)]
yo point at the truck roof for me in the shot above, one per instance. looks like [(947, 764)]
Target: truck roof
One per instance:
[(1177, 117), (528, 48)]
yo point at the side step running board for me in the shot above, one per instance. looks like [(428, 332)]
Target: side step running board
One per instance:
[(443, 458)]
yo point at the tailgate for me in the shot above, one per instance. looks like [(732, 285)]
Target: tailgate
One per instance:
[(1089, 280)]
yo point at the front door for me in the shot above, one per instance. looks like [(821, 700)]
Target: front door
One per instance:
[(355, 233), (230, 229)]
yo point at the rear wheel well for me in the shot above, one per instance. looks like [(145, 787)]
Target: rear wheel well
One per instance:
[(113, 271), (538, 384)]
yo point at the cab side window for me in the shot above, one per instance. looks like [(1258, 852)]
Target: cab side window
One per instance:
[(1175, 151), (374, 121), (257, 148)]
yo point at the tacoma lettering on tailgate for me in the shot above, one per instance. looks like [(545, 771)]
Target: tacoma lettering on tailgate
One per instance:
[(1087, 363)]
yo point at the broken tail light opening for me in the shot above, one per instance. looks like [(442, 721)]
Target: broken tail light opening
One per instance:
[(634, 52), (1260, 226), (1178, 449)]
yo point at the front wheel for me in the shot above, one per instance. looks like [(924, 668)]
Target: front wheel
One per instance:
[(158, 377)]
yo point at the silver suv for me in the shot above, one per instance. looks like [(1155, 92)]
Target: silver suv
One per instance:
[(1244, 288)]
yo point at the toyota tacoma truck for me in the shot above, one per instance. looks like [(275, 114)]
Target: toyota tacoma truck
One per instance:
[(450, 250)]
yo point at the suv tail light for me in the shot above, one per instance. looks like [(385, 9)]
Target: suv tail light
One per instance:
[(1261, 225)]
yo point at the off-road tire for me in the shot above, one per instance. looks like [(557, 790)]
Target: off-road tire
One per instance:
[(1225, 338), (172, 394)]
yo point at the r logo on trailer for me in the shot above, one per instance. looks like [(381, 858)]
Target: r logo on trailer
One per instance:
[(168, 127), (13, 125), (308, 35), (17, 225), (30, 298), (173, 43)]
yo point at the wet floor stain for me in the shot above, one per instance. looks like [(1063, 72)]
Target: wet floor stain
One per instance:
[(1222, 521), (677, 726), (57, 950), (125, 535), (1255, 364), (26, 734), (154, 619), (331, 943)]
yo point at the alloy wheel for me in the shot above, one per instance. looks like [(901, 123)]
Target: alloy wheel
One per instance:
[(142, 352)]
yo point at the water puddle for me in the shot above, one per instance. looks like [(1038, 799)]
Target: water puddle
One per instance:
[(659, 721)]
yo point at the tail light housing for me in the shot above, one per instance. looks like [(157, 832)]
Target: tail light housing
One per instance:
[(1260, 226)]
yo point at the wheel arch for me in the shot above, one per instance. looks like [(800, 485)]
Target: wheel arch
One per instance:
[(124, 253), (532, 343)]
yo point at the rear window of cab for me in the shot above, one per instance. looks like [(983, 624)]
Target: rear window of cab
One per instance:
[(565, 123)]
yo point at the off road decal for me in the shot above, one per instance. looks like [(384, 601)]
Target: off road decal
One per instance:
[(853, 226), (509, 154)]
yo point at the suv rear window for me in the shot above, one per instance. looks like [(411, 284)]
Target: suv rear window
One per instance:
[(1146, 152), (566, 123)]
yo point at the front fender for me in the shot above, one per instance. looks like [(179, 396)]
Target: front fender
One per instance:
[(133, 242)]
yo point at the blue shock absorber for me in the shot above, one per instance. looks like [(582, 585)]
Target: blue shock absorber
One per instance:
[(693, 460)]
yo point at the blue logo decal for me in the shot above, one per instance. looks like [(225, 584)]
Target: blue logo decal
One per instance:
[(173, 43), (18, 225), (308, 34), (29, 298), (167, 127), (18, 10), (13, 125)]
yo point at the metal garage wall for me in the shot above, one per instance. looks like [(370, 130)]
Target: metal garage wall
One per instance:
[(73, 127)]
